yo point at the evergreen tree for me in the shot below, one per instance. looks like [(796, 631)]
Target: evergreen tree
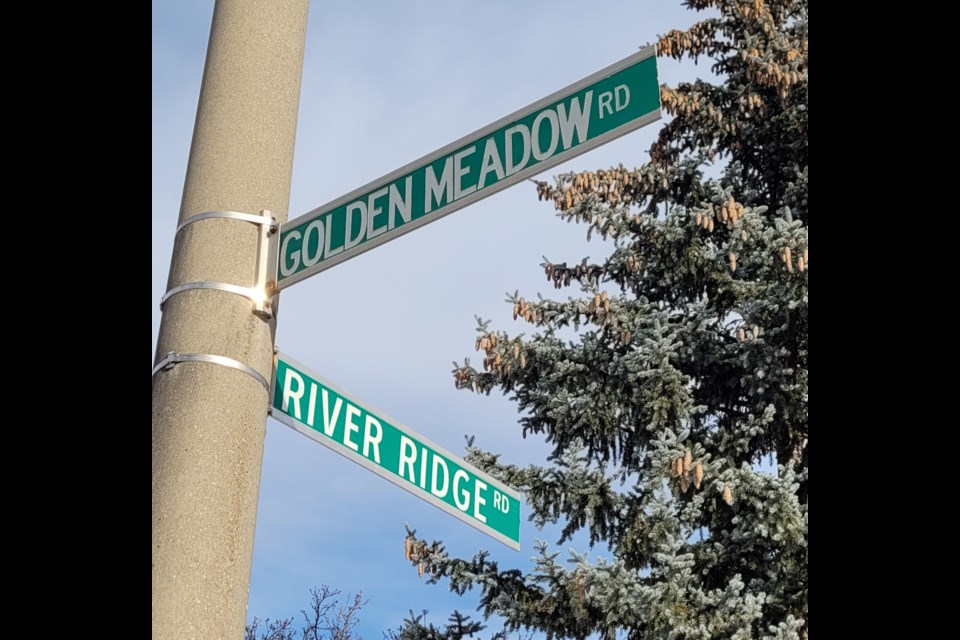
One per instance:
[(678, 417)]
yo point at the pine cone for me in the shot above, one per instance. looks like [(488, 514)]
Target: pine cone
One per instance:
[(697, 475), (727, 495)]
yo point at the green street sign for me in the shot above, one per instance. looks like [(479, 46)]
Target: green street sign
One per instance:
[(305, 401), (602, 107)]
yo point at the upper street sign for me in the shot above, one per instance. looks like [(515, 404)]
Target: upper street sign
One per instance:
[(600, 108), (316, 408)]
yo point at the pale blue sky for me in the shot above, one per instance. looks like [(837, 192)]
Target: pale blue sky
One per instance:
[(383, 84)]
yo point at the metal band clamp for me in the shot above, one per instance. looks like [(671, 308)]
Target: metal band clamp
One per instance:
[(233, 215), (253, 294), (172, 358)]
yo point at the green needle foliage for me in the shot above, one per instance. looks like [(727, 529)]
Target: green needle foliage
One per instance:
[(678, 415)]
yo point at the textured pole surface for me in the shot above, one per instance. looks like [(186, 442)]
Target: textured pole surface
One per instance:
[(209, 421)]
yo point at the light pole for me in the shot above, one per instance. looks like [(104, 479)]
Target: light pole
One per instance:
[(213, 352)]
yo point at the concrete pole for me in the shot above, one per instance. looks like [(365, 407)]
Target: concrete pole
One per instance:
[(209, 420)]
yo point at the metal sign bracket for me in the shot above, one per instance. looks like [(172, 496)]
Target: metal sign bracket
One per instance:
[(267, 255), (264, 291)]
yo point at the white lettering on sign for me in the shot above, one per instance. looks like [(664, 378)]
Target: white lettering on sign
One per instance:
[(400, 204), (330, 419), (355, 207), (552, 130), (313, 230), (578, 119), (478, 487), (311, 407), (408, 455), (500, 501), (289, 268), (294, 389), (524, 132), (459, 171), (351, 427), (621, 90), (327, 251), (373, 211), (550, 116), (289, 393), (372, 440), (437, 191), (412, 456), (461, 497), (423, 469), (620, 97), (438, 464), (491, 162)]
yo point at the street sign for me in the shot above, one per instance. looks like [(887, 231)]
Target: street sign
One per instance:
[(316, 408), (602, 107)]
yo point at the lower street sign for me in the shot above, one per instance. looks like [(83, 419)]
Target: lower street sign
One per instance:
[(318, 409)]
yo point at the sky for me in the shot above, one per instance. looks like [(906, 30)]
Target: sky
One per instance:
[(383, 84)]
